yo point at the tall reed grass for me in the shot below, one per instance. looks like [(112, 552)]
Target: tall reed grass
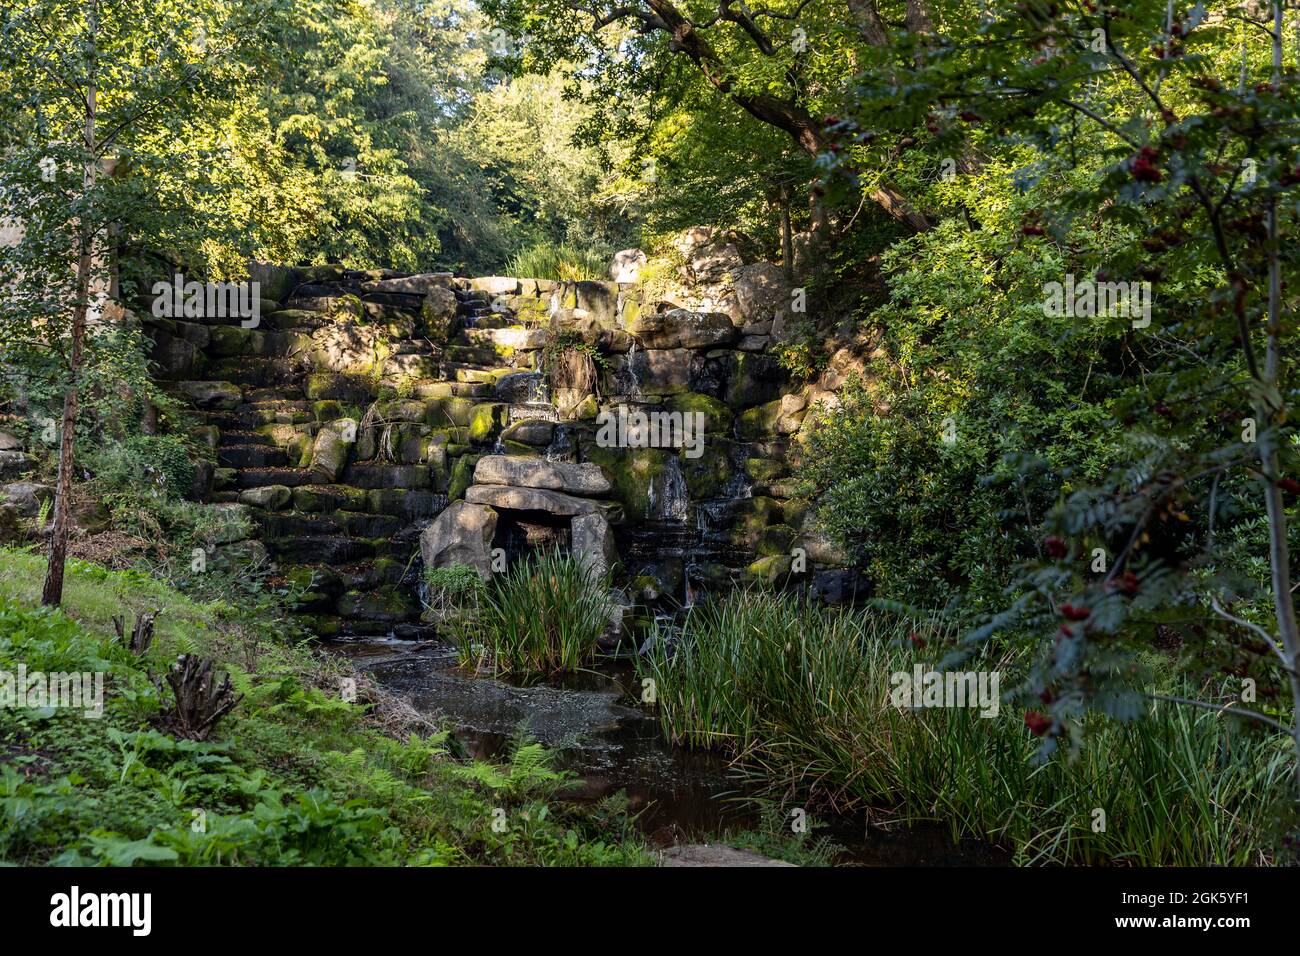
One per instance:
[(552, 260), (544, 616), (799, 694)]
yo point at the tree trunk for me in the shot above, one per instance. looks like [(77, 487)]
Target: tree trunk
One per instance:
[(1278, 547), (787, 235), (52, 591)]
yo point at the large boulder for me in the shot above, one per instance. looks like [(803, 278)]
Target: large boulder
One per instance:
[(462, 534), (15, 463), (273, 282), (531, 499), (591, 542), (682, 328), (439, 315), (26, 497), (713, 263), (349, 348), (329, 452), (589, 329), (651, 372), (762, 292), (212, 395), (10, 442), (577, 479), (627, 265)]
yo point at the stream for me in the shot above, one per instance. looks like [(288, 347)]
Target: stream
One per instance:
[(611, 744)]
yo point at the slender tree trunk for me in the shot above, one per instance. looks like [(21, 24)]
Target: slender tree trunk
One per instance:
[(1278, 546), (52, 592), (787, 235)]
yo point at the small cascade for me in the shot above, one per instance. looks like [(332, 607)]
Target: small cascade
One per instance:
[(668, 498), (633, 376), (523, 411), (562, 447)]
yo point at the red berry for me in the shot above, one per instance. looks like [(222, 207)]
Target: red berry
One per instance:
[(1073, 613), (1289, 485), (1037, 722), (1055, 547), (1143, 165)]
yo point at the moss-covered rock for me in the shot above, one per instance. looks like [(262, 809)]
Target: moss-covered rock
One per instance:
[(487, 419), (452, 411), (633, 471), (328, 498), (462, 476), (331, 449), (270, 497), (755, 378), (774, 539), (718, 417), (328, 410), (771, 571), (707, 475), (356, 389), (765, 470)]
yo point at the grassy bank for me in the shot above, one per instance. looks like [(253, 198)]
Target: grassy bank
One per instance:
[(295, 775), (801, 696)]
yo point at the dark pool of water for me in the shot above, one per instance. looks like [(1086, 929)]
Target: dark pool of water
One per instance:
[(612, 745)]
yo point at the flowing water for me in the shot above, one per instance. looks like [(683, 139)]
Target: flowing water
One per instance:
[(610, 743)]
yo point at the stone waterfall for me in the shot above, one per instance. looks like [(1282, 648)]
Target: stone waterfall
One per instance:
[(376, 422)]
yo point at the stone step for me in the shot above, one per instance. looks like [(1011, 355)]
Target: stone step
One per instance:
[(353, 524), (409, 504), (325, 549), (387, 604), (261, 477), (396, 300), (371, 475), (508, 339), (323, 499), (321, 303), (468, 355), (275, 395), (258, 372), (251, 456), (489, 320), (233, 438), (295, 320)]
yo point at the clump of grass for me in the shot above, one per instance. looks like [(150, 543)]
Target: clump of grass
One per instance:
[(543, 617), (453, 592), (567, 263), (799, 695)]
